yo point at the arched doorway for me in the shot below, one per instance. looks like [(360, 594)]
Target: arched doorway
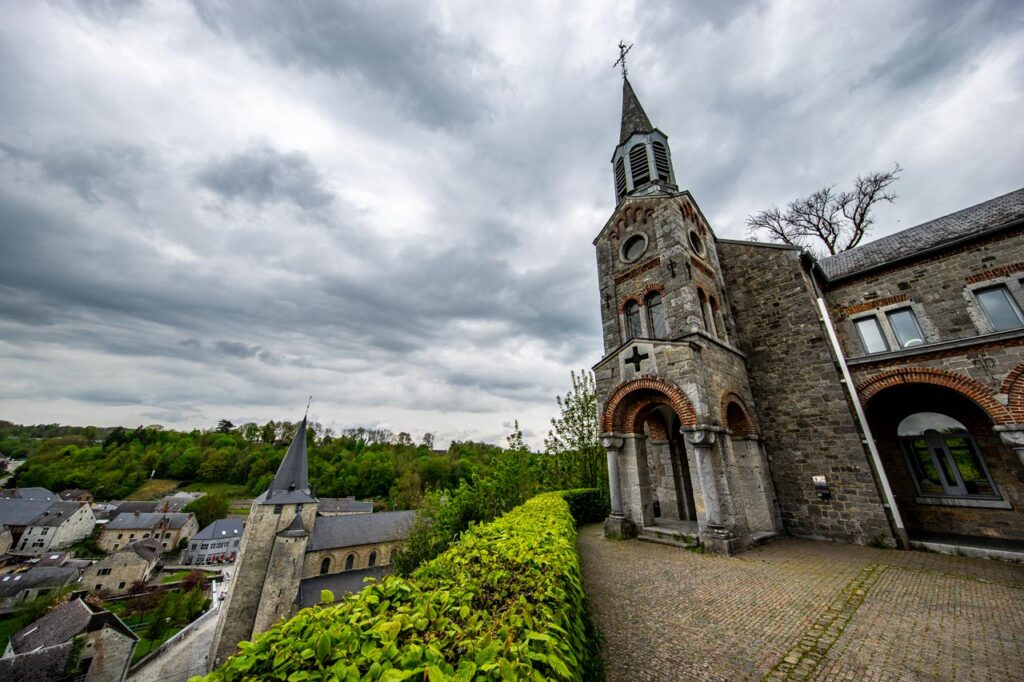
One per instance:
[(950, 472), (667, 465)]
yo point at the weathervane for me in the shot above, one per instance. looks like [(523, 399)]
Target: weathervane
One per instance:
[(621, 61)]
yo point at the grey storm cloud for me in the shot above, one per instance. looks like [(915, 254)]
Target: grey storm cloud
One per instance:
[(212, 213), (392, 47), (263, 174)]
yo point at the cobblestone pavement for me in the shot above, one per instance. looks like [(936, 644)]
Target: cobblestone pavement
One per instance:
[(802, 610)]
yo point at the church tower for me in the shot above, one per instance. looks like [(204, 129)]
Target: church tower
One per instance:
[(265, 585), (677, 418)]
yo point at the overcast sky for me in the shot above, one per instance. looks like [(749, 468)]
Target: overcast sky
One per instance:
[(214, 210)]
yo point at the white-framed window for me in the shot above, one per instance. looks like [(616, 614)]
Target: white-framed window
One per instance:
[(872, 339), (905, 327), (944, 458), (999, 307)]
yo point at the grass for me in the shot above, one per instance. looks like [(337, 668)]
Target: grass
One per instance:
[(8, 626), (229, 490), (154, 489), (174, 577), (146, 645)]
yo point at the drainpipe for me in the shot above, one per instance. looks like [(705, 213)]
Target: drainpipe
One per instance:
[(869, 439)]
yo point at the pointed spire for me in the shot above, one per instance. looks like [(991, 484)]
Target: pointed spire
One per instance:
[(634, 118), (293, 474)]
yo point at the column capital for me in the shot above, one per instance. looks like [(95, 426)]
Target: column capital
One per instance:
[(612, 441), (702, 435), (1011, 434)]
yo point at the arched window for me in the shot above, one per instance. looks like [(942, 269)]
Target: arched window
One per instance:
[(350, 562), (943, 457), (661, 162), (641, 170), (325, 566), (373, 559), (656, 316), (620, 178), (705, 312), (717, 319), (632, 320)]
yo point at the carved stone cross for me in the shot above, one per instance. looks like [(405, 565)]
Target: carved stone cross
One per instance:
[(637, 358)]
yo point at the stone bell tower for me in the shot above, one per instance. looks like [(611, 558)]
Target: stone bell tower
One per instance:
[(677, 416), (265, 585)]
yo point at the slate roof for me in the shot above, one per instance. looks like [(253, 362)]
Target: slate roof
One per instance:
[(131, 506), (220, 529), (148, 549), (20, 512), (37, 577), (331, 532), (72, 493), (346, 582), (291, 483), (58, 513), (344, 505), (46, 664), (26, 494), (634, 118), (964, 224), (147, 521), (63, 623)]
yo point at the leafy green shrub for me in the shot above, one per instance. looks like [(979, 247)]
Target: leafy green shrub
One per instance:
[(587, 505), (505, 602)]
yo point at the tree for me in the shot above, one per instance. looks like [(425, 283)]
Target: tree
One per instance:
[(839, 220), (224, 426), (574, 454), (208, 508)]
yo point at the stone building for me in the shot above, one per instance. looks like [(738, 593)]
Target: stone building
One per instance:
[(748, 389), (116, 573), (218, 543), (22, 586), (169, 528), (38, 524), (290, 551), (74, 641)]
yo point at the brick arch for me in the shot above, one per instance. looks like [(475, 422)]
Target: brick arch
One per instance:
[(650, 289), (631, 398), (624, 301), (1013, 387), (970, 388), (655, 424), (747, 426)]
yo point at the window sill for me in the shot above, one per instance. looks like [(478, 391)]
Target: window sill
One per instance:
[(963, 502)]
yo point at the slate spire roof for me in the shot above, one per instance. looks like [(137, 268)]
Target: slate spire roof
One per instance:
[(634, 118), (291, 483)]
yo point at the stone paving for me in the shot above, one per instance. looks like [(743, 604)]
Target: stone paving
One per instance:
[(802, 610)]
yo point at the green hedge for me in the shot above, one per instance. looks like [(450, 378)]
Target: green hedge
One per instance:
[(505, 602), (587, 505)]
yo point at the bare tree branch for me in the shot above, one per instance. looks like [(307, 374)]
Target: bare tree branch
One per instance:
[(837, 221)]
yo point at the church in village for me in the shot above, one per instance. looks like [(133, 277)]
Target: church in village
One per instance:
[(296, 545), (750, 389)]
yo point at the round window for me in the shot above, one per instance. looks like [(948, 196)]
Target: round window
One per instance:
[(634, 247), (696, 243)]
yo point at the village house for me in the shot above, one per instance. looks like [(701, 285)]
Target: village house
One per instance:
[(168, 528), (73, 641), (76, 495), (116, 573), (216, 544), (40, 579), (60, 525)]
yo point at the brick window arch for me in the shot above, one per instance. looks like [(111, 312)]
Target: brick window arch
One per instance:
[(737, 417), (1013, 387), (970, 388)]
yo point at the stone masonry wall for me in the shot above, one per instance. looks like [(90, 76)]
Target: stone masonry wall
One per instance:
[(802, 411)]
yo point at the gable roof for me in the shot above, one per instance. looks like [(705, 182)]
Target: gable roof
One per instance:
[(148, 520), (220, 529), (26, 494), (36, 577), (148, 549), (21, 512), (58, 513), (967, 223), (45, 664), (63, 623), (339, 505), (331, 532)]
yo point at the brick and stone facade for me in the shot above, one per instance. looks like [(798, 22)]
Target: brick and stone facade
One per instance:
[(736, 392)]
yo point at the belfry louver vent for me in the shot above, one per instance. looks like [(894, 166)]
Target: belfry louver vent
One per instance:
[(661, 162), (620, 178), (641, 171)]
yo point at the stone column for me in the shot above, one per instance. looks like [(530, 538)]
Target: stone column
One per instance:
[(1012, 436), (616, 525), (716, 535)]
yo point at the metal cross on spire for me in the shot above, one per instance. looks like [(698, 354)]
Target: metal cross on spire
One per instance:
[(621, 61)]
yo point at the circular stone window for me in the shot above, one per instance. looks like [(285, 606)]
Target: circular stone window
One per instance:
[(634, 247), (696, 243)]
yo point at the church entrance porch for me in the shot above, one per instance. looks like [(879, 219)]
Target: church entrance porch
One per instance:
[(676, 481)]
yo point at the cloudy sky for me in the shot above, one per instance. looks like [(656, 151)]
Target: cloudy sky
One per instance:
[(213, 210)]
